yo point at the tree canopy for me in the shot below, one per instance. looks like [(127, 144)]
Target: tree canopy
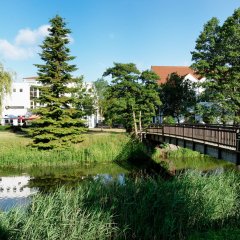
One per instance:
[(178, 96), (217, 57), (100, 87), (5, 83), (132, 96), (59, 122)]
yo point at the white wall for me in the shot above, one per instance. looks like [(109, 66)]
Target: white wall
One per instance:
[(18, 102)]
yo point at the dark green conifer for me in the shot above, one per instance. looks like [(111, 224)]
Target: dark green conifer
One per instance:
[(59, 123)]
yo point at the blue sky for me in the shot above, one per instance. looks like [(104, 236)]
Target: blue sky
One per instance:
[(145, 32)]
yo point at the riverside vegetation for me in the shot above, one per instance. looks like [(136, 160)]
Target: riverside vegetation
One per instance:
[(191, 205), (99, 147)]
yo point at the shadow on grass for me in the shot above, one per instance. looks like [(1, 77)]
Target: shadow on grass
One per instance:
[(4, 233), (136, 157)]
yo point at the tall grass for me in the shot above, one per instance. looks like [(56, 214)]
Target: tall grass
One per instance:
[(59, 216), (104, 147), (184, 158), (98, 147), (182, 208)]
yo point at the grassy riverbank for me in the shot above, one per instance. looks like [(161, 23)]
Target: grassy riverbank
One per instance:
[(191, 206), (97, 147)]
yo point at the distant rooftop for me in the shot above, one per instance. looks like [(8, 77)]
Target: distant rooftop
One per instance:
[(164, 72)]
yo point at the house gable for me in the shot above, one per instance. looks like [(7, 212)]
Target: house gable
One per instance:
[(165, 71)]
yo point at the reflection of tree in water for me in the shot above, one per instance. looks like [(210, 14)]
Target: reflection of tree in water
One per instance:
[(50, 183)]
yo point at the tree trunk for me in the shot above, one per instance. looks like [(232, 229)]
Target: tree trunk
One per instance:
[(101, 119), (140, 125), (134, 123)]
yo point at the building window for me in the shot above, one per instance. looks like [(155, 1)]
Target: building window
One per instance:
[(14, 90), (20, 90), (32, 104), (33, 92)]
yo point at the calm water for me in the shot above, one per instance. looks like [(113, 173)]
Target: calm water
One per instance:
[(17, 186)]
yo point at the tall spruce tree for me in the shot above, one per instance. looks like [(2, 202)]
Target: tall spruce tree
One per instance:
[(59, 124)]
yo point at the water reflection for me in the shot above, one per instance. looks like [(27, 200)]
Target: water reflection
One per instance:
[(107, 178), (17, 186), (14, 191)]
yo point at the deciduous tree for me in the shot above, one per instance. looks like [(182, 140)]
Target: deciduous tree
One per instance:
[(178, 96), (100, 87), (132, 96), (217, 57)]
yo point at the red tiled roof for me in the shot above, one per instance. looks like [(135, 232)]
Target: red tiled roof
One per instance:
[(164, 71)]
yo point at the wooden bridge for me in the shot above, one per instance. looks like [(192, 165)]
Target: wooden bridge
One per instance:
[(219, 141)]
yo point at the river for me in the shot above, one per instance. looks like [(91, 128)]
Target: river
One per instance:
[(18, 185)]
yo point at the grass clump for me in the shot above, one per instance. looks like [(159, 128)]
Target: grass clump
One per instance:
[(142, 208)]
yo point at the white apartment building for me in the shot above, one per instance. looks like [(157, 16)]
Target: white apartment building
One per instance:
[(20, 102)]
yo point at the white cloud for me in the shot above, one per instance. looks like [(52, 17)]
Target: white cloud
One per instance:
[(11, 51), (25, 44), (30, 37)]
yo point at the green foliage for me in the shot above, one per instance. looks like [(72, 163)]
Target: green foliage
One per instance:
[(101, 86), (216, 57), (169, 120), (209, 111), (177, 96), (132, 96), (5, 83), (4, 128), (59, 124), (143, 208), (84, 98), (149, 100)]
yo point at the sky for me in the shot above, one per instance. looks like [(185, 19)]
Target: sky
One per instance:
[(144, 32)]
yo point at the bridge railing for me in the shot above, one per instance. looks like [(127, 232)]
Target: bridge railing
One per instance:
[(216, 134)]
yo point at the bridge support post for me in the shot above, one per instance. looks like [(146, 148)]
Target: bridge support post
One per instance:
[(184, 143), (238, 160), (205, 149), (219, 153), (193, 146), (176, 141)]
